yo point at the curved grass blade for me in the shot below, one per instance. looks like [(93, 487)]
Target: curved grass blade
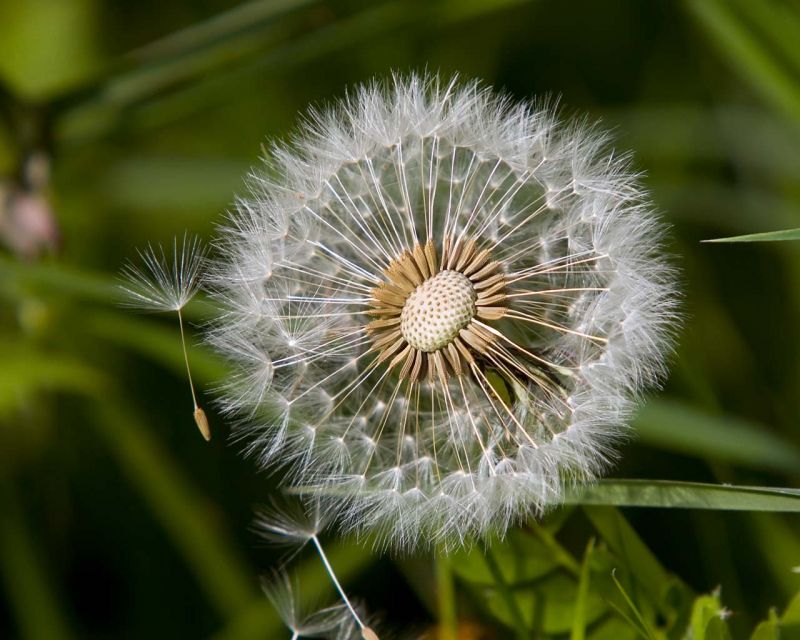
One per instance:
[(687, 495)]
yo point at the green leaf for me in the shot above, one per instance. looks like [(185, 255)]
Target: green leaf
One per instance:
[(687, 495), (768, 236), (640, 561), (579, 617), (520, 558), (707, 613), (792, 613), (26, 370), (678, 427)]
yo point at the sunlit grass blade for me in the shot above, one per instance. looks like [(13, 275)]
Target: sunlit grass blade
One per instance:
[(679, 427), (687, 495), (767, 236)]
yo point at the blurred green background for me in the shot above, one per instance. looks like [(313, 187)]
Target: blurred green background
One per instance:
[(125, 122)]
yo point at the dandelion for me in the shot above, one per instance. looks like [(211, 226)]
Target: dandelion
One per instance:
[(442, 306), (323, 623), (163, 284), (290, 525)]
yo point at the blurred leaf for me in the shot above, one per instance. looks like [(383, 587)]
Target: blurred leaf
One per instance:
[(206, 549), (679, 427), (736, 39), (687, 495), (639, 560), (18, 279), (579, 621), (520, 558), (446, 598), (175, 184), (768, 236), (37, 66), (32, 600), (705, 611), (768, 630), (26, 370), (779, 546), (159, 342), (638, 620)]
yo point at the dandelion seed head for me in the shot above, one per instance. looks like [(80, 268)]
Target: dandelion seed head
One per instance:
[(460, 299)]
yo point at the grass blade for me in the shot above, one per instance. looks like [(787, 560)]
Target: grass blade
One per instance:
[(767, 236), (687, 495)]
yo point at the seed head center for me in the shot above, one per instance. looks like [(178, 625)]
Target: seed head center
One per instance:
[(437, 310)]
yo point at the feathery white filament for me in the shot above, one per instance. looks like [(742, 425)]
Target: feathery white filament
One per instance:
[(443, 306)]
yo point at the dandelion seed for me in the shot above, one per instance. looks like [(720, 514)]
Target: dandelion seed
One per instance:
[(290, 525), (326, 622), (443, 306), (164, 284)]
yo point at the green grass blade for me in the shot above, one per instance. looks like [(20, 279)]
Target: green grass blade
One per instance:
[(678, 427), (767, 236), (687, 495)]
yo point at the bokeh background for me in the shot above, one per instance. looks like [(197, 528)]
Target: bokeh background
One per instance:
[(123, 123)]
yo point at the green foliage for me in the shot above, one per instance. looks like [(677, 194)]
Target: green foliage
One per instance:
[(116, 518)]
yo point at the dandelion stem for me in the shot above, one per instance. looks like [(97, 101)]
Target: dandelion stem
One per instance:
[(446, 595), (186, 359), (199, 415), (508, 596), (338, 586)]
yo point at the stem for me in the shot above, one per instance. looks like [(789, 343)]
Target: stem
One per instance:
[(186, 358), (448, 619), (329, 569), (508, 596)]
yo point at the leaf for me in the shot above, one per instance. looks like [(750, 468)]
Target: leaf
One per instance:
[(520, 558), (579, 616), (687, 495), (707, 612), (640, 561), (768, 236), (57, 279), (26, 370), (158, 342), (678, 427)]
